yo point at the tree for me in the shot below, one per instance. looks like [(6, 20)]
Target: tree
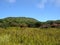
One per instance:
[(38, 24)]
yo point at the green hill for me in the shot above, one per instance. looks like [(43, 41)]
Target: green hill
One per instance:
[(27, 22), (17, 21)]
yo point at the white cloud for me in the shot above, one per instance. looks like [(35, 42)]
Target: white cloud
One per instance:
[(11, 1), (43, 3)]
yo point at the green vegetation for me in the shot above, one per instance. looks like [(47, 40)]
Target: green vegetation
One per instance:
[(29, 36), (29, 31), (17, 22), (27, 22)]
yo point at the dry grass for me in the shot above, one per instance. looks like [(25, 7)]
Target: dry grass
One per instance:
[(29, 36)]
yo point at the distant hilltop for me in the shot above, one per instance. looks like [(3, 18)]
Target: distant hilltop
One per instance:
[(28, 22)]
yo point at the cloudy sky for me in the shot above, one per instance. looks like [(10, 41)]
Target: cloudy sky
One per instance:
[(39, 9)]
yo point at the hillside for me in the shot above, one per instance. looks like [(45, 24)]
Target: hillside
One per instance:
[(27, 22), (17, 21)]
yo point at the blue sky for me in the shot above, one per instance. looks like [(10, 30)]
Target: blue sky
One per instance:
[(39, 9)]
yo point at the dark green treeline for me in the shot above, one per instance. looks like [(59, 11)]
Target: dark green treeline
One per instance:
[(28, 22)]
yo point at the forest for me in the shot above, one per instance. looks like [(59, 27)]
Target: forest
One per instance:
[(28, 22)]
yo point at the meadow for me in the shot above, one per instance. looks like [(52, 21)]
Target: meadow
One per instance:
[(29, 36)]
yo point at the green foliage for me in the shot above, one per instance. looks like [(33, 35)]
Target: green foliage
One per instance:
[(27, 22), (17, 21), (57, 21), (38, 24)]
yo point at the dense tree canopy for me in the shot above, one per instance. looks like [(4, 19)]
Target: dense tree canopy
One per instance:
[(27, 22)]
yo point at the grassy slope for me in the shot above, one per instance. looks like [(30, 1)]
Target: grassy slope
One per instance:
[(29, 36)]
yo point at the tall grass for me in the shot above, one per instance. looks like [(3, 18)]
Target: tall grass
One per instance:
[(29, 36)]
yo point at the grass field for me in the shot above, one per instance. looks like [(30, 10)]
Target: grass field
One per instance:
[(29, 36)]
